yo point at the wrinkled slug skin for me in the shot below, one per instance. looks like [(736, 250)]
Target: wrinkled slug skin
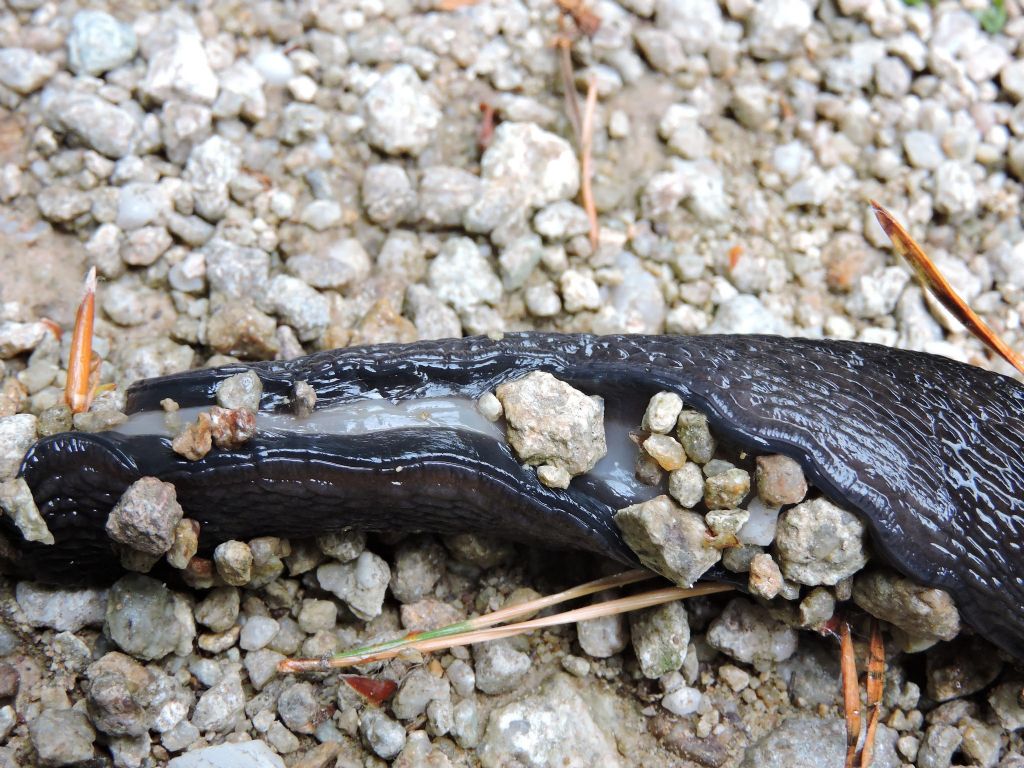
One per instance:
[(929, 450)]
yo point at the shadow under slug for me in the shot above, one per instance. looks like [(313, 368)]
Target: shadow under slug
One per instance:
[(930, 451)]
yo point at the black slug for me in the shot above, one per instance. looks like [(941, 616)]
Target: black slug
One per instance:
[(927, 449)]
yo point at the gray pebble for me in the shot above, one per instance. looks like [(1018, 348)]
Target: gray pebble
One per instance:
[(344, 546), (100, 125), (805, 740), (668, 539), (745, 314), (16, 501), (62, 737), (499, 666), (817, 542), (660, 637), (23, 70), (62, 204), (416, 692), (98, 43), (261, 666), (361, 584), (561, 725), (384, 736), (145, 517), (938, 746), (918, 610), (147, 620), (776, 28), (119, 692), (297, 707), (321, 215), (419, 564), (184, 125), (241, 93), (16, 338), (462, 276), (243, 390), (61, 609), (401, 116), (303, 308), (695, 437), (603, 637), (816, 608), (748, 633), (244, 754), (549, 422), (211, 165), (445, 193), (219, 609), (686, 485), (923, 150), (17, 433), (388, 195), (662, 412), (222, 706), (955, 193), (257, 632), (343, 264), (178, 64)]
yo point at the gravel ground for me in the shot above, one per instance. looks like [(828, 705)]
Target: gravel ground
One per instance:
[(260, 180)]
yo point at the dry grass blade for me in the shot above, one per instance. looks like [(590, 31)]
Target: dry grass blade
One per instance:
[(81, 371), (443, 639), (572, 104), (586, 161), (875, 687), (936, 282), (851, 693), (454, 5)]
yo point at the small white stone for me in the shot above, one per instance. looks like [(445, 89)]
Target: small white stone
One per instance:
[(490, 406), (302, 88), (682, 701)]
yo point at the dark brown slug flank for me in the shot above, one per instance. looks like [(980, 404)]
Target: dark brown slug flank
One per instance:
[(930, 451)]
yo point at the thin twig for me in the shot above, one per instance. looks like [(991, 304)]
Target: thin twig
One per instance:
[(586, 145), (936, 282), (440, 640)]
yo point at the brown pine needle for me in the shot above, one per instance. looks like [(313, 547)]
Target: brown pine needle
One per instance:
[(935, 281), (851, 693), (875, 686), (445, 641), (79, 387), (586, 146)]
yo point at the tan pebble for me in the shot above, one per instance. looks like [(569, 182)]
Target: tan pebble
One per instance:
[(666, 451), (765, 576), (780, 480), (186, 542), (553, 477)]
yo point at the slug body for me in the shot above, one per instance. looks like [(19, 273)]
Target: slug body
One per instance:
[(928, 450)]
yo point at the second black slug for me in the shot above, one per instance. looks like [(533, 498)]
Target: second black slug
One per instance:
[(928, 450)]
